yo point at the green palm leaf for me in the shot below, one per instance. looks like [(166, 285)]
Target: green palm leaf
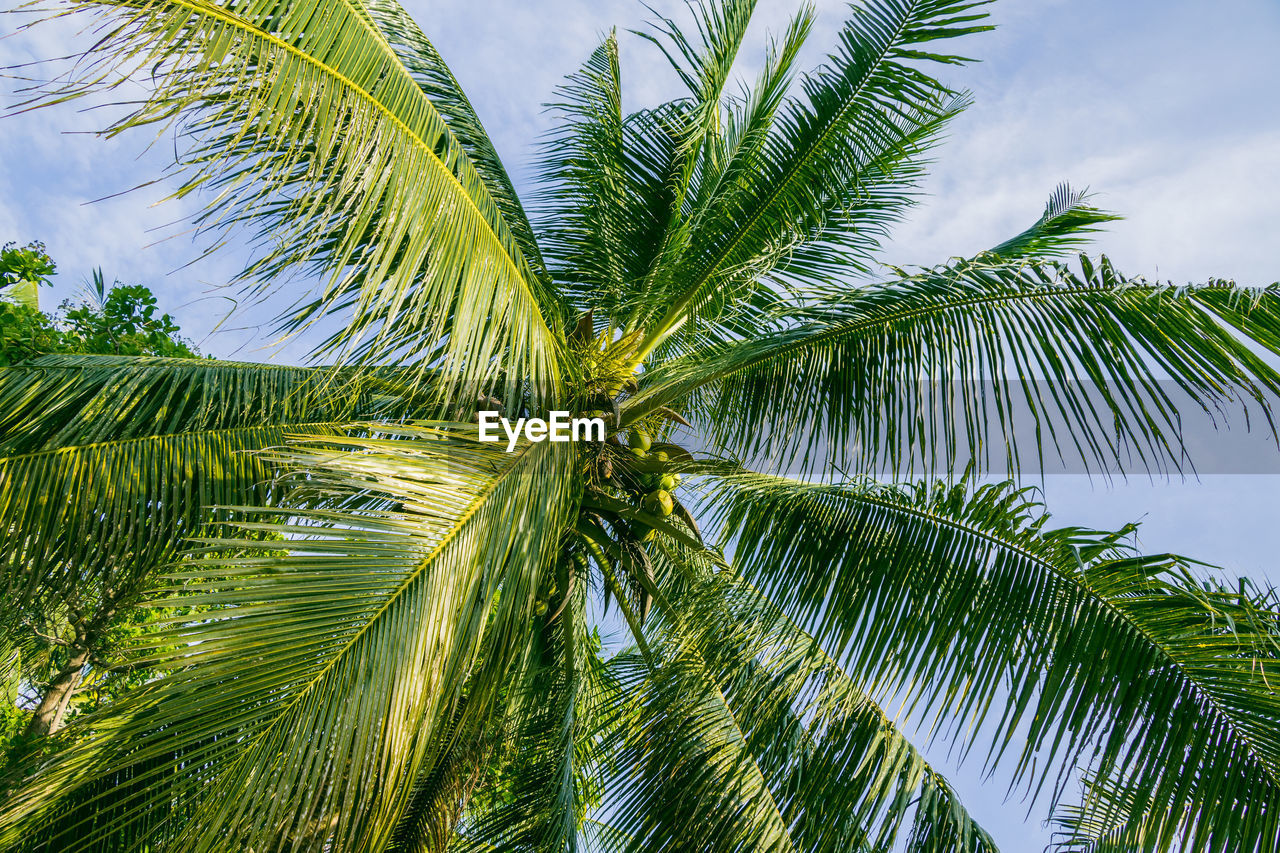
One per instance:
[(838, 167), (930, 371), (547, 774), (109, 464), (61, 401), (1109, 820), (590, 203), (1065, 632), (314, 132), (746, 736), (342, 660), (1066, 224), (438, 83), (666, 155)]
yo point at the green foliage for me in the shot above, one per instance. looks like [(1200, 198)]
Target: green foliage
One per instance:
[(367, 630), (121, 320), (22, 271), (26, 333), (118, 319)]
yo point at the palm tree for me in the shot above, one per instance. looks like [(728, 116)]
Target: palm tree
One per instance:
[(422, 668)]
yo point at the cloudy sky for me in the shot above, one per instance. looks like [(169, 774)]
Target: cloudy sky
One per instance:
[(1164, 108)]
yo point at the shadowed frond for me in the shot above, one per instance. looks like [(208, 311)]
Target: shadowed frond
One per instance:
[(311, 694), (320, 140), (931, 371), (1108, 820), (1127, 809), (746, 737), (466, 747), (835, 773), (546, 779), (1068, 636)]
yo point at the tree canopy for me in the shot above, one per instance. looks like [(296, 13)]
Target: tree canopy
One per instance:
[(374, 631)]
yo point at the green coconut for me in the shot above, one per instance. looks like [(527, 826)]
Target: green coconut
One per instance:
[(639, 438), (659, 501)]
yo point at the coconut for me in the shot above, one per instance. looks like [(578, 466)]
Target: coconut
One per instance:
[(660, 501), (639, 438)]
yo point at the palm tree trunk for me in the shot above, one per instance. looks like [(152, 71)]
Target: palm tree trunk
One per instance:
[(53, 705)]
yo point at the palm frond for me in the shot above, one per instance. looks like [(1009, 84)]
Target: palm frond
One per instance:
[(847, 777), (704, 64), (690, 135), (107, 464), (308, 697), (431, 72), (429, 820), (117, 511), (712, 171), (1065, 226), (547, 784), (1108, 820), (602, 183), (691, 781), (838, 166), (320, 140), (935, 370), (1068, 636), (60, 401), (746, 736)]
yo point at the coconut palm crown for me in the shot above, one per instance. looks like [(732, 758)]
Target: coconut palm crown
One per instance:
[(386, 631)]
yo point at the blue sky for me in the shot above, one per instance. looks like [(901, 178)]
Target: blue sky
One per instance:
[(1164, 109)]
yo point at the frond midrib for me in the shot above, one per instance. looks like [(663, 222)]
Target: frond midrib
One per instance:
[(215, 12), (1081, 583), (413, 576)]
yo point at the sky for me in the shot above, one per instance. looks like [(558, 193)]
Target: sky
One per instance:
[(1163, 108)]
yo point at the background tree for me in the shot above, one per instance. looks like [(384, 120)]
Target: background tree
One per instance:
[(418, 671), (121, 320), (114, 319), (22, 271), (25, 332), (61, 650)]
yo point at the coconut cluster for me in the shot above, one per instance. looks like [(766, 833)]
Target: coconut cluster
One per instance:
[(630, 480)]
